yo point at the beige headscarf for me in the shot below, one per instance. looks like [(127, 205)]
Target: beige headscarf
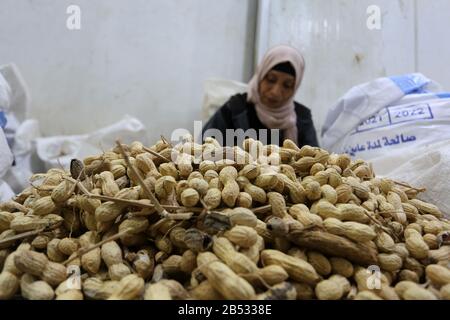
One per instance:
[(283, 118)]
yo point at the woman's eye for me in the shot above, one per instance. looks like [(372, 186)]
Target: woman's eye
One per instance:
[(288, 86)]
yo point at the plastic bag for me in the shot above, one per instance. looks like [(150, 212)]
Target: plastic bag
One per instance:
[(386, 116), (400, 127), (57, 152), (6, 157), (217, 92)]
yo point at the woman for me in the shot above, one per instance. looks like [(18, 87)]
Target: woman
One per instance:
[(269, 103)]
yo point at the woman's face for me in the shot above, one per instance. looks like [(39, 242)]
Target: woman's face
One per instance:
[(276, 88)]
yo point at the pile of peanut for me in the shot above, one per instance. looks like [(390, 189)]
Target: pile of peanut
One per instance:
[(281, 223)]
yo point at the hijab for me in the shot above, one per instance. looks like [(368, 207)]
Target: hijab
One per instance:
[(284, 117)]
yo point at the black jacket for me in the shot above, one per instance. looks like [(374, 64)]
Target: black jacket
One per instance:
[(237, 113)]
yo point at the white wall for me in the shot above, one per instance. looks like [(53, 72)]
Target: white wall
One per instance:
[(340, 51), (147, 58)]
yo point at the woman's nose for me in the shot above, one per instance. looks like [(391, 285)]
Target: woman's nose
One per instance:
[(276, 91)]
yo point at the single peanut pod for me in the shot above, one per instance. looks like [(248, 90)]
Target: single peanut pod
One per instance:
[(67, 246), (242, 236), (188, 261), (207, 165), (111, 253), (54, 273), (243, 216), (31, 262), (237, 261), (209, 175), (415, 244), (445, 292), (96, 289), (352, 212), (5, 220), (190, 197), (297, 269), (319, 262), (343, 191), (278, 204), (431, 240), (9, 285), (326, 210), (390, 262), (230, 193), (333, 288), (108, 211), (408, 275), (26, 223), (91, 261), (418, 293), (62, 192), (44, 206), (213, 198), (171, 265), (432, 227), (341, 266), (313, 191), (353, 230), (130, 287), (53, 252), (134, 225), (40, 242), (223, 279), (250, 171), (329, 193), (157, 291), (118, 271), (438, 275), (426, 208), (244, 200), (144, 264), (384, 242), (10, 265), (402, 286), (165, 186), (200, 185), (35, 290), (254, 251), (306, 218)]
